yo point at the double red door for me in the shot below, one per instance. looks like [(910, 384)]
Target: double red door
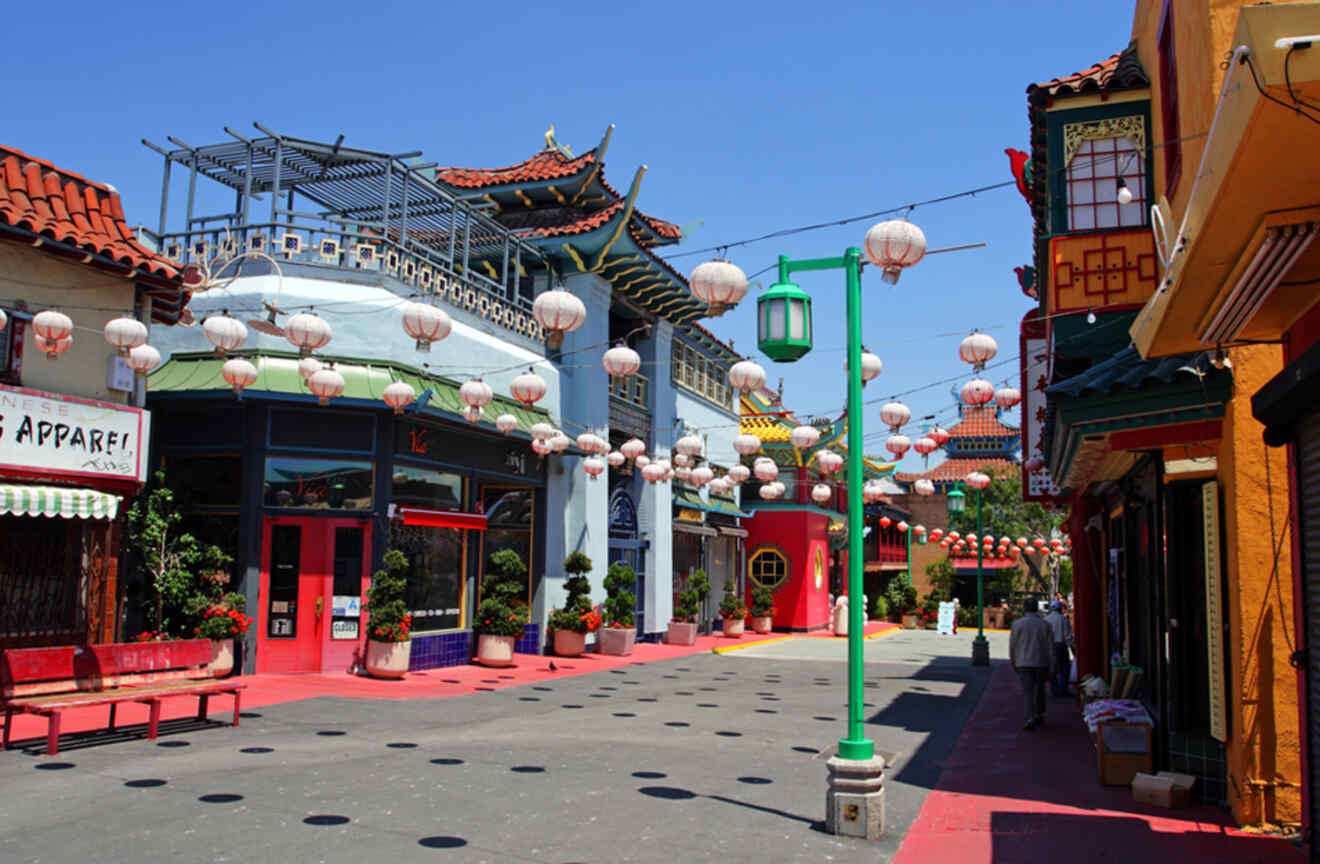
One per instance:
[(314, 578)]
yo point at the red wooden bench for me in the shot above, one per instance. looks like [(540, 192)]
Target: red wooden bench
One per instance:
[(49, 681)]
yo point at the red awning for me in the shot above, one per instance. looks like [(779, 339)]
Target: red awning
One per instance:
[(442, 518)]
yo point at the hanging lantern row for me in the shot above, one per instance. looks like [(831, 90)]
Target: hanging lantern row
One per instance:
[(718, 283), (821, 493), (689, 445), (898, 445), (682, 460), (739, 474), (895, 415), (829, 461), (871, 366), (53, 332), (772, 490), (765, 469), (804, 437), (621, 361), (977, 391), (426, 324), (746, 376), (893, 246), (746, 444)]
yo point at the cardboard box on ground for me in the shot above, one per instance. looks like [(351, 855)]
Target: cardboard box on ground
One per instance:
[(1165, 789)]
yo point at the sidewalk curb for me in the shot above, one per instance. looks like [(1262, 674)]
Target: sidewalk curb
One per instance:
[(725, 649)]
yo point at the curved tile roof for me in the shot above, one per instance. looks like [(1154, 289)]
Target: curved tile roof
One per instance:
[(1121, 71), (547, 164), (951, 470), (981, 421)]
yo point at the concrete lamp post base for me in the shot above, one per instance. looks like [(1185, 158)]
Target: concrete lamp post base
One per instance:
[(980, 651), (855, 798)]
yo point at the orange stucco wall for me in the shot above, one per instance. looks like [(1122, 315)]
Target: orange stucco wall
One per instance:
[(802, 603), (1263, 763)]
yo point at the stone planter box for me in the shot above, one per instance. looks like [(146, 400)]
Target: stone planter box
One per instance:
[(682, 633), (569, 643), (222, 657), (734, 628), (761, 624), (495, 650), (388, 659), (617, 641), (909, 622)]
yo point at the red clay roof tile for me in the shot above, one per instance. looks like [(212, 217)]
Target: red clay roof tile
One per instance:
[(1117, 72), (981, 421), (956, 469), (544, 165)]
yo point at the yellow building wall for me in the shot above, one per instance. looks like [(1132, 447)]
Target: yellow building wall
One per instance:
[(1264, 767), (88, 296)]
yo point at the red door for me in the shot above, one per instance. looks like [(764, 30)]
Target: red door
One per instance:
[(314, 578)]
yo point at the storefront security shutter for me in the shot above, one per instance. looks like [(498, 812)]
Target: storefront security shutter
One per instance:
[(1308, 471)]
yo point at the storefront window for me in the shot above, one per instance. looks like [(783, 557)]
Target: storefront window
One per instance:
[(425, 487), (436, 557), (319, 484), (204, 482), (508, 512)]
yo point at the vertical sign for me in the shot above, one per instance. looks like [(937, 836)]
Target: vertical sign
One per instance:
[(1214, 613), (1034, 361)]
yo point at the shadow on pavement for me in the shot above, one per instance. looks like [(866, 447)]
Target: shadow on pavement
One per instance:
[(119, 735), (1081, 838)]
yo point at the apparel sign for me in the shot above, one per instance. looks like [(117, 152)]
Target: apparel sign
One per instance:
[(74, 437)]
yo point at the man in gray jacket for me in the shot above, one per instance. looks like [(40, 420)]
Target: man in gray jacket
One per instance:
[(1030, 648)]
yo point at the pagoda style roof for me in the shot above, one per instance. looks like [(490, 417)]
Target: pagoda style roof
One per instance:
[(763, 415), (1121, 71), (953, 470)]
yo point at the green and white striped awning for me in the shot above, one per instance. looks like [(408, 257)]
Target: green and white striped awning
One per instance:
[(57, 501)]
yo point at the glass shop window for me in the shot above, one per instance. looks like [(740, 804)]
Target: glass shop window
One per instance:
[(425, 487), (437, 559), (204, 482), (318, 484), (321, 430), (508, 512)]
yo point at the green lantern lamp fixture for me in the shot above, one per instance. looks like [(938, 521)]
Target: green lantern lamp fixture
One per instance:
[(957, 501), (783, 319)]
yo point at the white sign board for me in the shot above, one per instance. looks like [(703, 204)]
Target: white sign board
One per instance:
[(346, 606), (46, 434), (944, 624), (344, 630)]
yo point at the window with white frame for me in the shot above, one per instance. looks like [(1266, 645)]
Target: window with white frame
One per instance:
[(1093, 185), (701, 375)]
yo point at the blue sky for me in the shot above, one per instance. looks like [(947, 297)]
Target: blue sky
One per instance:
[(751, 117)]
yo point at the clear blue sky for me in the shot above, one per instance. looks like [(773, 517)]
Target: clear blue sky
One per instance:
[(751, 117)]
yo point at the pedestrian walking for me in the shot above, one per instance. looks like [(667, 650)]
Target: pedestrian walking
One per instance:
[(1030, 644), (1061, 631)]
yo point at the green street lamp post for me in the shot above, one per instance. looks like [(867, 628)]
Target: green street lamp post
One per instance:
[(958, 503)]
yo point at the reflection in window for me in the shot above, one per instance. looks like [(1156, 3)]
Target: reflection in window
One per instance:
[(322, 484), (508, 526), (424, 487), (435, 574)]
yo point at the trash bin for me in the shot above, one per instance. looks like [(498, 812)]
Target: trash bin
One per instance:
[(840, 622)]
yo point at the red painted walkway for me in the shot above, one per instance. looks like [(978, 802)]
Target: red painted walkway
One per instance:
[(1006, 795), (428, 684)]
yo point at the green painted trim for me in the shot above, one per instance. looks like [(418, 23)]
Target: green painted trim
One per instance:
[(1055, 121), (1079, 431)]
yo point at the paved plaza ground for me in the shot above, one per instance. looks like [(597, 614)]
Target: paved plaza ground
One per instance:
[(691, 758)]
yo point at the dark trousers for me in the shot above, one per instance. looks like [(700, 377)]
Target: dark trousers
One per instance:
[(1033, 689), (1062, 669)]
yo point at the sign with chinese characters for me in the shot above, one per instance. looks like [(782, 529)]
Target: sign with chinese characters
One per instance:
[(52, 434), (1214, 613), (1034, 358)]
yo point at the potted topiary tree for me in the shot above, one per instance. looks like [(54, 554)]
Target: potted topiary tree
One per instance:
[(732, 610), (389, 645), (763, 609), (687, 606), (701, 584), (620, 636), (572, 623), (502, 614)]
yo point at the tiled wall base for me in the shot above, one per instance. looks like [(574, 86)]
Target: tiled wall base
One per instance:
[(455, 649)]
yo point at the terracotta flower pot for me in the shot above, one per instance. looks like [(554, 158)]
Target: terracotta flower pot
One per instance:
[(682, 633), (388, 659), (222, 657), (734, 627), (495, 650), (617, 641), (761, 623), (909, 622), (569, 643)]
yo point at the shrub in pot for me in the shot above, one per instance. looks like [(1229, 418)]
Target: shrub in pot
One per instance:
[(763, 609), (389, 645), (620, 635), (880, 609), (683, 626), (502, 614), (222, 622), (902, 599), (571, 624), (732, 610)]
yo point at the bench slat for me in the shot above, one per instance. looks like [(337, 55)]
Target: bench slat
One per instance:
[(120, 694), (40, 670)]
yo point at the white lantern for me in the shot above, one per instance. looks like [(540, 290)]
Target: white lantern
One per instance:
[(559, 312), (426, 324), (642, 460), (589, 442), (746, 376), (239, 373), (871, 366), (308, 332), (309, 366), (125, 333), (560, 442), (765, 470), (804, 437), (893, 246), (688, 445), (506, 423), (224, 332), (682, 460), (540, 446), (52, 348), (703, 475), (821, 493), (898, 445), (4, 319), (528, 388), (902, 527), (925, 445), (739, 473), (594, 466), (939, 435), (718, 486), (895, 414), (719, 284), (142, 359), (1007, 397), (542, 431), (326, 384), (615, 459), (977, 480), (476, 393), (399, 395), (746, 444), (621, 361), (472, 414), (770, 491), (653, 473), (683, 473), (52, 326), (924, 487), (829, 461), (978, 349), (977, 391), (632, 448)]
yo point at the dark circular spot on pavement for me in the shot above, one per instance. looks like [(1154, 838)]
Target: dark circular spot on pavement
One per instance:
[(257, 750), (54, 766), (724, 733), (401, 745), (485, 689), (755, 781), (682, 669), (825, 717), (607, 687), (671, 792), (678, 723), (527, 769), (649, 775), (325, 819), (709, 689), (624, 714), (442, 842), (626, 681), (149, 783), (811, 750), (172, 744), (570, 706), (618, 672), (507, 677), (648, 699), (600, 695), (671, 676), (823, 684), (684, 693), (330, 733), (765, 692), (490, 681), (707, 705), (248, 715), (450, 681), (543, 689), (220, 798), (446, 761), (766, 711), (529, 698), (771, 699)]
